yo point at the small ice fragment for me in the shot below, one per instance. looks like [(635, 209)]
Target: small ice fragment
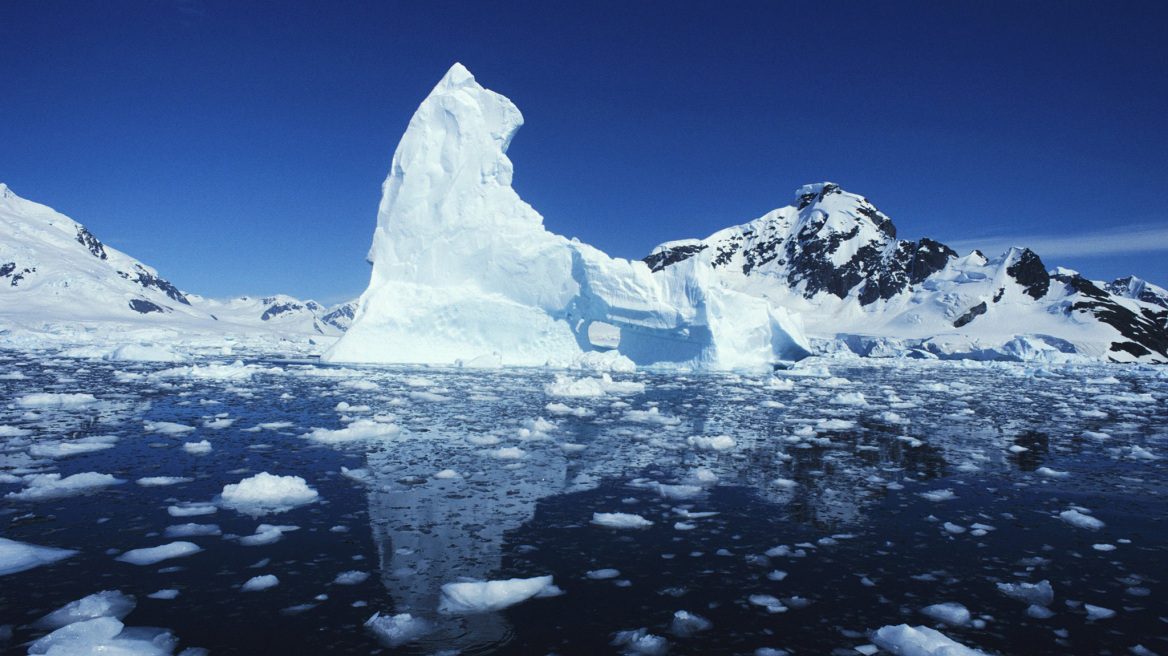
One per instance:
[(160, 481), (19, 556), (771, 603), (1039, 594), (1051, 473), (485, 596), (446, 474), (938, 495), (397, 630), (190, 530), (152, 555), (167, 593), (601, 574), (953, 528), (685, 624), (266, 534), (192, 510), (1098, 612), (352, 577), (1039, 612), (1080, 520), (261, 582), (200, 448), (776, 575), (265, 493), (620, 520), (951, 613), (641, 643), (905, 640), (51, 486), (508, 453), (107, 603), (1103, 547)]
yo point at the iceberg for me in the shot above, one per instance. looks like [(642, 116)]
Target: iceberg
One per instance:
[(463, 268)]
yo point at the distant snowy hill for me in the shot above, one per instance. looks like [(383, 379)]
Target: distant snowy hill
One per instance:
[(834, 259), (59, 280)]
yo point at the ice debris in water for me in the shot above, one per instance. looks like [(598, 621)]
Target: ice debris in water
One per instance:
[(939, 495), (620, 520), (602, 574), (398, 630), (107, 603), (720, 443), (19, 556), (261, 582), (266, 534), (161, 481), (685, 624), (92, 625), (951, 613), (66, 448), (1081, 520), (49, 400), (905, 640), (484, 596), (641, 642), (361, 429), (266, 493), (52, 486), (152, 555), (1038, 594), (200, 448), (351, 578), (190, 530), (591, 387)]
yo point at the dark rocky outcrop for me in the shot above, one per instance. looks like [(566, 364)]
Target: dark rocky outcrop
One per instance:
[(144, 306), (1029, 272), (973, 313)]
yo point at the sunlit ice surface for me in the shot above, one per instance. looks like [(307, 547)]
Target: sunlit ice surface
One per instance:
[(267, 506)]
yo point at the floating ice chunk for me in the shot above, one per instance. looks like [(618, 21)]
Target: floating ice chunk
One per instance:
[(951, 613), (152, 555), (620, 520), (1137, 452), (218, 423), (685, 624), (592, 387), (677, 492), (49, 400), (1038, 594), (776, 575), (1039, 612), (266, 493), (161, 481), (1103, 547), (266, 534), (603, 361), (13, 431), (486, 596), (398, 630), (85, 636), (850, 398), (905, 640), (1097, 436), (365, 385), (1098, 612), (200, 448), (508, 453), (1051, 473), (107, 603), (446, 474), (191, 530), (428, 397), (939, 495), (1081, 520), (192, 510), (144, 353), (167, 427), (771, 603), (561, 409), (166, 593), (953, 528), (720, 443), (835, 424), (602, 574), (651, 416), (19, 556), (66, 448), (361, 429), (52, 486), (641, 643), (352, 577), (261, 582)]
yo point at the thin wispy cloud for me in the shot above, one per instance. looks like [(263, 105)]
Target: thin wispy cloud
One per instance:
[(1118, 240)]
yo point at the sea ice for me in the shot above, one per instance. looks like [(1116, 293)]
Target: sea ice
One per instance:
[(19, 556), (602, 574), (939, 495), (167, 427), (620, 520), (1038, 594), (951, 613), (352, 577), (905, 640), (685, 624), (266, 534), (190, 530), (266, 493), (719, 443), (1098, 612), (262, 582), (161, 481), (66, 448), (1081, 520), (49, 400), (192, 510), (152, 555), (641, 643), (358, 430), (398, 630), (485, 596), (107, 603), (52, 486), (199, 448)]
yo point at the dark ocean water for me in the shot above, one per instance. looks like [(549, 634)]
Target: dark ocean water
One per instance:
[(797, 512)]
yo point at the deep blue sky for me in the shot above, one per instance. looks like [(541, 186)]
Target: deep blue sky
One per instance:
[(239, 148)]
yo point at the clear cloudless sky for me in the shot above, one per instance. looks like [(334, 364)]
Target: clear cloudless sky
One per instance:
[(239, 147)]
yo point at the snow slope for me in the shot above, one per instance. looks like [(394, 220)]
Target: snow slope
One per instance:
[(59, 283), (463, 269)]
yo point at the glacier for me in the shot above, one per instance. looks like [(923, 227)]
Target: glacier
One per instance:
[(463, 268)]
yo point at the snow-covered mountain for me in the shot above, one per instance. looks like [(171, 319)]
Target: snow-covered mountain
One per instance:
[(834, 258), (57, 278)]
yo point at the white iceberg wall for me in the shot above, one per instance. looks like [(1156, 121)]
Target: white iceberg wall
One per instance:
[(463, 268)]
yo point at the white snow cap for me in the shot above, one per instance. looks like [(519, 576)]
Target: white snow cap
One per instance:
[(463, 268)]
